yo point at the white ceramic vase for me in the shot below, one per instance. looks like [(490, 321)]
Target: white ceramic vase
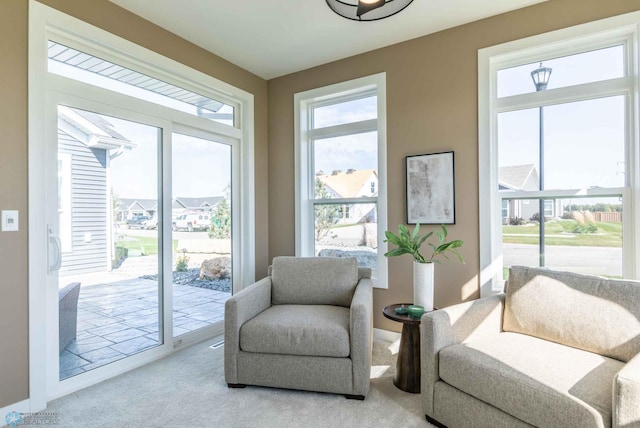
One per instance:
[(423, 285)]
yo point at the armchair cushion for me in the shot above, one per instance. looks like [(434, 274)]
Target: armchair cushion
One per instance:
[(586, 312), (321, 331), (537, 381), (313, 281)]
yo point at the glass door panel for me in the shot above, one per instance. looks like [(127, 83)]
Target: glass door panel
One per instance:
[(108, 181), (201, 222)]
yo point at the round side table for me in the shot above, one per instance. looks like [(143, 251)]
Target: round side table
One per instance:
[(408, 364)]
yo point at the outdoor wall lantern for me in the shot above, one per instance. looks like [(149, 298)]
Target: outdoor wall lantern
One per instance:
[(367, 10)]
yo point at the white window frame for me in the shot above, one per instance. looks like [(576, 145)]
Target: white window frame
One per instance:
[(623, 29), (64, 210), (304, 102), (45, 90)]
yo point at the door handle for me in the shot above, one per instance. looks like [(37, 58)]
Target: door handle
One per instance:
[(54, 241)]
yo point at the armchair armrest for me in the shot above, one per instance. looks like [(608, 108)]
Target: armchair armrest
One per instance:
[(239, 309), (626, 395), (361, 335), (449, 326)]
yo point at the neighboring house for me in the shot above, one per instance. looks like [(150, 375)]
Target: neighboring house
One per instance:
[(128, 208), (523, 177), (182, 205), (86, 145), (352, 184)]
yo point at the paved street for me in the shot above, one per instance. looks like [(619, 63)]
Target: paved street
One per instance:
[(588, 260)]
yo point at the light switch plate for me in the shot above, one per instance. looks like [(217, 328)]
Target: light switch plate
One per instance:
[(10, 221)]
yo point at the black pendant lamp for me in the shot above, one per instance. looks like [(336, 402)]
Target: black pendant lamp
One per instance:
[(367, 10)]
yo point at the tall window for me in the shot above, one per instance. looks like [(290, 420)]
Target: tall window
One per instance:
[(557, 153), (341, 158)]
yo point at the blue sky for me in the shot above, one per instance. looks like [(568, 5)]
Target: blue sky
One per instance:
[(200, 167)]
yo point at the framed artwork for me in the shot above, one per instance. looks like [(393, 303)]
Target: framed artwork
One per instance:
[(430, 189)]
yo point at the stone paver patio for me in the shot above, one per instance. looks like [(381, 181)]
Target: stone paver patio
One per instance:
[(119, 319)]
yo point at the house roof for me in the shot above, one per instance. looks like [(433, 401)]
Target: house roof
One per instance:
[(91, 129), (128, 204), (347, 184), (195, 203), (101, 123), (516, 177)]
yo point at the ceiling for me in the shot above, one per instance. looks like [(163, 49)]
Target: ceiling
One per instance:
[(272, 38)]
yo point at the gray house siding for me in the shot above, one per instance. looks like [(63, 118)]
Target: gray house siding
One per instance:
[(89, 211)]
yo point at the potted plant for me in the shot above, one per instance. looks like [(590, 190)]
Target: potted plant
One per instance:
[(423, 267)]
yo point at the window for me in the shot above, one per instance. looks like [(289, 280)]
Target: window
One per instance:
[(565, 147), (505, 211), (341, 173), (74, 64)]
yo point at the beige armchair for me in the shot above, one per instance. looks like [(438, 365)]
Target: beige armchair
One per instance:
[(307, 326), (557, 350)]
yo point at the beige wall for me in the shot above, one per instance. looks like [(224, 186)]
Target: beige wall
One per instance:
[(14, 369), (431, 107), (14, 345)]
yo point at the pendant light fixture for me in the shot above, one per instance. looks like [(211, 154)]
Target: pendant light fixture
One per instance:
[(367, 10)]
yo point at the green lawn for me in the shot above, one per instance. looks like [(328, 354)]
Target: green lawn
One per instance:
[(146, 245), (560, 232)]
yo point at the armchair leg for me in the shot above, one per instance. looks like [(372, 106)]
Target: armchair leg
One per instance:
[(354, 397), (434, 422), (236, 385)]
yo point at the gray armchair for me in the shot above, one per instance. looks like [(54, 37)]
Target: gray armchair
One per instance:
[(306, 326), (68, 313)]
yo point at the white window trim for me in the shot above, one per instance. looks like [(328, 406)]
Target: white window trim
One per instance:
[(304, 187), (65, 211), (623, 29), (43, 22)]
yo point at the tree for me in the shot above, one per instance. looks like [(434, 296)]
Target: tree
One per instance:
[(221, 221), (326, 215), (115, 205)]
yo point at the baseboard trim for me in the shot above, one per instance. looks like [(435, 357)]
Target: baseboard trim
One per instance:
[(385, 335), (23, 406)]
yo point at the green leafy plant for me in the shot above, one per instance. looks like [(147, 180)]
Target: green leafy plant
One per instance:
[(410, 243), (182, 263)]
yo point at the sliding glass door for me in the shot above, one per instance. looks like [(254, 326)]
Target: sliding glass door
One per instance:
[(140, 237), (105, 242), (202, 225)]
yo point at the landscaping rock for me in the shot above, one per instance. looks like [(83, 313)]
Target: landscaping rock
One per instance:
[(365, 258), (218, 268)]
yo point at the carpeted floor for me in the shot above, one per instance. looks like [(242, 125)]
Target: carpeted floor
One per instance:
[(187, 389)]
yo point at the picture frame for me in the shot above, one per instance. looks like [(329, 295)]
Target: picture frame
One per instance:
[(430, 188)]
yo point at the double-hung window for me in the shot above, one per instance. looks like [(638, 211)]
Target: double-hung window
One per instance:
[(558, 152), (341, 173)]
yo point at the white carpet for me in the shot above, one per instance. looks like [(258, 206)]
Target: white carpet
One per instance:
[(187, 389)]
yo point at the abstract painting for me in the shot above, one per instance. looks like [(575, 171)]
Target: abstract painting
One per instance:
[(430, 189)]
